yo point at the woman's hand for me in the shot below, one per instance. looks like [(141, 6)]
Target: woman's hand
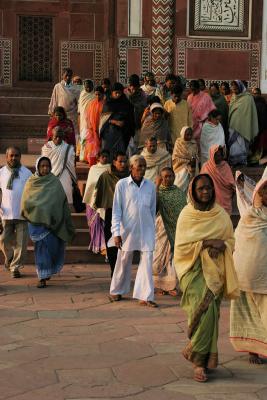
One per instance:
[(216, 244), (213, 253)]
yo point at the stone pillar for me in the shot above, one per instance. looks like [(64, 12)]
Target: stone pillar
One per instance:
[(163, 12), (264, 49)]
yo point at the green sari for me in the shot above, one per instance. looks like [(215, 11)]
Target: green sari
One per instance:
[(203, 311)]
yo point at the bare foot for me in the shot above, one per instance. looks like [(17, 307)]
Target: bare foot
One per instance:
[(200, 375), (255, 359)]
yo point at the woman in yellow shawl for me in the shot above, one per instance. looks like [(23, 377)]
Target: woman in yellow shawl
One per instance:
[(248, 316), (204, 265), (185, 158)]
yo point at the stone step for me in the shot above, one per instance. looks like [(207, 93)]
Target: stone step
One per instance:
[(79, 220), (24, 105), (27, 91), (81, 239), (74, 254)]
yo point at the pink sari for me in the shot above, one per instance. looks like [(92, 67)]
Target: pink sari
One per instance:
[(201, 105), (223, 180), (92, 146)]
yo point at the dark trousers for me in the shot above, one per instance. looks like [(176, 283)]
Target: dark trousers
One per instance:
[(111, 251)]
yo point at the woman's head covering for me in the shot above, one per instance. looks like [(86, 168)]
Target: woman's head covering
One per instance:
[(192, 191), (38, 162), (117, 86), (256, 198), (156, 105), (183, 130), (240, 86)]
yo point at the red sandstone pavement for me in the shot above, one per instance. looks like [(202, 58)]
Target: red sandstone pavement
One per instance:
[(68, 342)]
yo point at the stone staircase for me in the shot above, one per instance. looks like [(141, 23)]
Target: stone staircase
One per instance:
[(78, 251), (23, 115)]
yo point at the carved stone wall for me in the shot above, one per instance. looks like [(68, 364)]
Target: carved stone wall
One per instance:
[(138, 50), (6, 61), (85, 58), (219, 60), (219, 18), (163, 12)]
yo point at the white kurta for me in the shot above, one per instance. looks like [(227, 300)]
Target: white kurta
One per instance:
[(134, 213), (56, 154), (66, 96), (11, 199)]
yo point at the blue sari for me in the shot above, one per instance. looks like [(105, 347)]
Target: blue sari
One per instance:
[(49, 251)]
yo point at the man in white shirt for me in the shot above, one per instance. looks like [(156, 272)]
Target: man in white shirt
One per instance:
[(66, 95), (14, 237), (133, 228)]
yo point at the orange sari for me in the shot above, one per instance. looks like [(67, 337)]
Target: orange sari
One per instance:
[(92, 146)]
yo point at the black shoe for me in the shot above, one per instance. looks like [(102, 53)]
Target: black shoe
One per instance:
[(41, 284), (15, 274)]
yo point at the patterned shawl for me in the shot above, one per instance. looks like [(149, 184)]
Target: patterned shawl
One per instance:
[(171, 201)]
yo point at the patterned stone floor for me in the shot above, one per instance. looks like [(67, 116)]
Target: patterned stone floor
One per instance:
[(68, 342)]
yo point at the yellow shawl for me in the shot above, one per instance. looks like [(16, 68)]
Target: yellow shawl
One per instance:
[(197, 226)]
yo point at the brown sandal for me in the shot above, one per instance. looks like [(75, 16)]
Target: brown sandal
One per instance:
[(148, 303), (114, 297)]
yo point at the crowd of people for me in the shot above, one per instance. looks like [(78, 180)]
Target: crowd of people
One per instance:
[(160, 182)]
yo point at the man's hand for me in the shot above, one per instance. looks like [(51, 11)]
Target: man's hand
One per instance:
[(158, 181), (118, 241)]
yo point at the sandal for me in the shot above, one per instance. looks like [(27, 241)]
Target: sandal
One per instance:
[(199, 375), (41, 284), (148, 303), (255, 359), (173, 293), (115, 297)]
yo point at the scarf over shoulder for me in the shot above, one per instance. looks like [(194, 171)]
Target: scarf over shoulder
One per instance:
[(223, 179), (183, 151), (251, 246), (196, 227), (243, 116), (44, 203)]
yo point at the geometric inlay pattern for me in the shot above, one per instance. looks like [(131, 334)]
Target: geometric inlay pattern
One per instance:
[(219, 15), (6, 61), (66, 47), (162, 36), (35, 48), (253, 49), (124, 45)]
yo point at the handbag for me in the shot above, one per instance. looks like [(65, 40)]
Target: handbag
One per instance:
[(78, 204)]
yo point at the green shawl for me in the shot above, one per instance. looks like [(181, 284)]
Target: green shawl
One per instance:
[(222, 106), (105, 187), (171, 201), (44, 202), (243, 116)]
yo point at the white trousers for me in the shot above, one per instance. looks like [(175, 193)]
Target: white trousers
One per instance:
[(121, 280)]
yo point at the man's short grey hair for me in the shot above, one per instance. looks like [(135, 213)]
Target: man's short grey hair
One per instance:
[(13, 148), (134, 159)]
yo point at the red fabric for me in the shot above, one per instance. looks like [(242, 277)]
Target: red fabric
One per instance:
[(92, 146), (201, 105), (67, 127), (223, 180)]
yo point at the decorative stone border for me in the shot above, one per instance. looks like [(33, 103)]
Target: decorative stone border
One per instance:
[(252, 48), (133, 43), (6, 61), (82, 46)]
